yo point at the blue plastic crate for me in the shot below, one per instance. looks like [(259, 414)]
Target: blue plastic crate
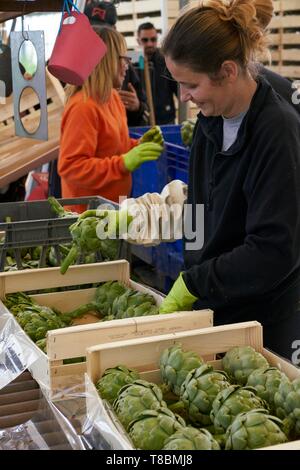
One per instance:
[(170, 259), (173, 163)]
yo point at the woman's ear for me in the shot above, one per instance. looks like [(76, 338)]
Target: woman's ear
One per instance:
[(229, 71)]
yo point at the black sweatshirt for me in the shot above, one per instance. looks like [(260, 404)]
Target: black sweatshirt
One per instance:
[(249, 266)]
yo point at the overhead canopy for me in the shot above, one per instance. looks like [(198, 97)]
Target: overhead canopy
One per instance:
[(13, 8)]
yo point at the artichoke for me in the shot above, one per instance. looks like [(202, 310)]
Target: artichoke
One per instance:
[(187, 131), (36, 319), (230, 402), (266, 382), (113, 380), (239, 362), (190, 438), (287, 403), (254, 429), (133, 304), (151, 428), (175, 364), (135, 398), (199, 390)]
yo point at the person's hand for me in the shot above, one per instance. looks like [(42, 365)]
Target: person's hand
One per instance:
[(140, 154), (178, 299), (130, 98), (153, 135)]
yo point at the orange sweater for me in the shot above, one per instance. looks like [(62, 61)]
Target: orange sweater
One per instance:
[(93, 139)]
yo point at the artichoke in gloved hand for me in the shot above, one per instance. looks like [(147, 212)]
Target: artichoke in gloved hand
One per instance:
[(190, 438), (187, 131), (266, 382), (113, 380), (151, 428), (175, 364), (254, 429), (199, 390), (287, 403), (239, 362), (135, 398), (230, 402)]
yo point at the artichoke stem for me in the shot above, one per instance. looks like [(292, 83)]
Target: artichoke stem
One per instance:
[(71, 258)]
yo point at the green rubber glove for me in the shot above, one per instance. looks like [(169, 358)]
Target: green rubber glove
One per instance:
[(178, 299), (153, 135), (140, 154)]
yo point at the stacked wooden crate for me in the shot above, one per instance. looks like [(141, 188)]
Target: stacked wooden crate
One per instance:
[(285, 38), (162, 13)]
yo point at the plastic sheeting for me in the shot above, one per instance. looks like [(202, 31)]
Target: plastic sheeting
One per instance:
[(17, 351)]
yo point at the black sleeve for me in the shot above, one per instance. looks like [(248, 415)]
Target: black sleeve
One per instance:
[(139, 117), (270, 251)]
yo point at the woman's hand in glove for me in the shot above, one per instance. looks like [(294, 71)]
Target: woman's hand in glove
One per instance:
[(178, 299), (140, 154), (153, 135)]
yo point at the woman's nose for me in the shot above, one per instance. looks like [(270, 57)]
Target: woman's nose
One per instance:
[(184, 94)]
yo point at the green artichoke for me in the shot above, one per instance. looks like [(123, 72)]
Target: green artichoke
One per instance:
[(59, 210), (187, 131), (175, 364), (230, 402), (133, 304), (190, 438), (254, 429), (113, 380), (239, 362), (135, 398), (199, 390), (151, 428), (287, 403), (266, 382)]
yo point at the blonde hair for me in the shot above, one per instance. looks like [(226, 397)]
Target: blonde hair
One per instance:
[(204, 37), (100, 83)]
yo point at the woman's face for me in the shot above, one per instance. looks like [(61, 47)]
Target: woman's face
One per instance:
[(123, 66), (212, 98)]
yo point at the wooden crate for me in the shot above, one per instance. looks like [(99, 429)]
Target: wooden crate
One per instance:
[(72, 341), (143, 355)]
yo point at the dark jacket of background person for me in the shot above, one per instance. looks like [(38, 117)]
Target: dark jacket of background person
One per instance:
[(281, 85), (249, 266), (163, 90), (141, 116)]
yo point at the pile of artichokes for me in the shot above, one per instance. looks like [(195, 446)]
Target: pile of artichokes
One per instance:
[(112, 301), (214, 409)]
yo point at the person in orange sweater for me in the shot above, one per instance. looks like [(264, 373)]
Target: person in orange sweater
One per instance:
[(96, 154)]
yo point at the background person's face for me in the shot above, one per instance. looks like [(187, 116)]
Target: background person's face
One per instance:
[(123, 66), (147, 38)]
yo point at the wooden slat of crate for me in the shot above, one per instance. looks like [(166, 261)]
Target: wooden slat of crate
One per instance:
[(213, 340), (286, 5), (144, 355), (44, 278)]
